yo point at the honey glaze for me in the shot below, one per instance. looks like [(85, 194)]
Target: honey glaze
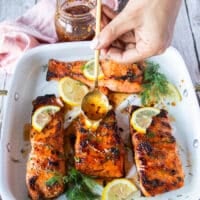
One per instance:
[(77, 10), (74, 22)]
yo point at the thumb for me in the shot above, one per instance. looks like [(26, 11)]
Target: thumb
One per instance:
[(121, 24)]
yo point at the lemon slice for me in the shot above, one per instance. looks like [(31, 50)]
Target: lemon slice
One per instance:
[(118, 189), (43, 115), (142, 117), (88, 71), (173, 94), (72, 91)]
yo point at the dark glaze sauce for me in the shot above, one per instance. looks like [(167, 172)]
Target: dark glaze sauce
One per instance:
[(77, 10), (74, 23)]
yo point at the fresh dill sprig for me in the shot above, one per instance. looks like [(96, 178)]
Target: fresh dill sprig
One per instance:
[(155, 85), (79, 186)]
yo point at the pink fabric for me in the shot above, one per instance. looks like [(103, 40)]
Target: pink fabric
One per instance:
[(111, 3), (33, 28)]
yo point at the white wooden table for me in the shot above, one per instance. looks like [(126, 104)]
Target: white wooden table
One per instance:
[(186, 35)]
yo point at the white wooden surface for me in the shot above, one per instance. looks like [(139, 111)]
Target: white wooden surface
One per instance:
[(9, 9), (186, 34)]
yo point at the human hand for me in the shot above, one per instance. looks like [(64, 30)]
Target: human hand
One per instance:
[(141, 30)]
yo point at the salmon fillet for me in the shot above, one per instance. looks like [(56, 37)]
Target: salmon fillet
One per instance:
[(99, 153), (118, 77), (156, 156), (46, 158)]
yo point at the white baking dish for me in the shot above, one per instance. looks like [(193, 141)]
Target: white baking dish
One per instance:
[(29, 82)]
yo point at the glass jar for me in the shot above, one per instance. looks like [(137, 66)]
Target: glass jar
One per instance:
[(73, 20)]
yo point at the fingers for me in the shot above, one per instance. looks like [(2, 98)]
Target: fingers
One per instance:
[(128, 37), (118, 44), (105, 10), (138, 32), (130, 46), (129, 54), (112, 31), (109, 12), (107, 15), (104, 21)]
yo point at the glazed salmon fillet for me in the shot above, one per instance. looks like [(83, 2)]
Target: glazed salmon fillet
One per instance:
[(118, 77), (156, 156), (99, 153), (46, 158)]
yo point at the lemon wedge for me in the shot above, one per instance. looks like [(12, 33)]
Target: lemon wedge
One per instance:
[(88, 71), (142, 117), (118, 189), (173, 94), (72, 91), (42, 116)]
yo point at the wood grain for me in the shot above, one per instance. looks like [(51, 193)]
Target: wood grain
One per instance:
[(183, 41), (10, 9), (194, 19)]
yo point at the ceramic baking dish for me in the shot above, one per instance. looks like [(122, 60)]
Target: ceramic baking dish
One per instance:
[(29, 82)]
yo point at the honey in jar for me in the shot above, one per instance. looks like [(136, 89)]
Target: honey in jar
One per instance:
[(73, 20)]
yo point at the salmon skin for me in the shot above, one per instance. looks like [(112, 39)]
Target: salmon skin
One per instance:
[(46, 159), (118, 77), (99, 153), (156, 157)]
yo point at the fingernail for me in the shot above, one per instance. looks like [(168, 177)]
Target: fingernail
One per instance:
[(94, 44)]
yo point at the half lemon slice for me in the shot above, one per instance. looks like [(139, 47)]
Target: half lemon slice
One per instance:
[(173, 94), (43, 115), (72, 91), (142, 117), (119, 189), (89, 73)]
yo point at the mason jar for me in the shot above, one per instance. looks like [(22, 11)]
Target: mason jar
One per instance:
[(74, 21)]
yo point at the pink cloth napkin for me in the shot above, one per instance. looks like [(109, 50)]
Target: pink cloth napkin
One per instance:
[(33, 28)]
